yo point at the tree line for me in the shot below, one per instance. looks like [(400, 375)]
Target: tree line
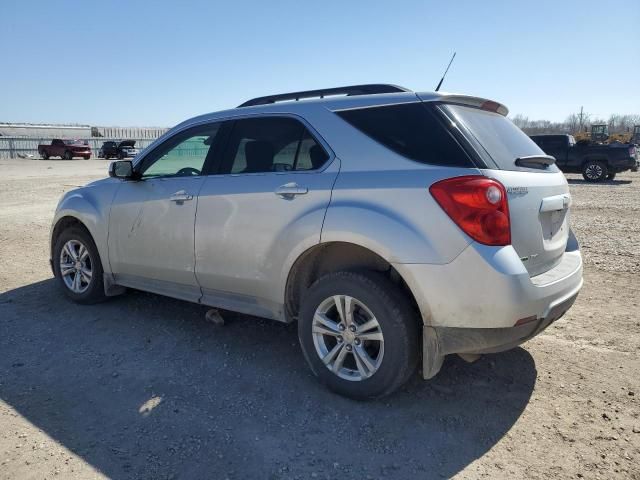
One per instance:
[(576, 122)]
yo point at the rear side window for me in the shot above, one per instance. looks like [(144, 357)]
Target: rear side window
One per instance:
[(498, 136), (539, 141), (411, 129), (556, 143), (271, 144)]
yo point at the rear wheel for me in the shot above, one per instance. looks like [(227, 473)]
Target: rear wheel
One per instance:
[(67, 155), (77, 266), (44, 155), (359, 334), (594, 171)]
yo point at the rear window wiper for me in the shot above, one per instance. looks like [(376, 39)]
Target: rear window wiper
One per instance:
[(535, 161)]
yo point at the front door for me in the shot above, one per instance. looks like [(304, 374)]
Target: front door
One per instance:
[(151, 237), (265, 205)]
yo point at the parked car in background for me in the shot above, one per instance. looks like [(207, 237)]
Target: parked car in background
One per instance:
[(395, 227), (596, 162), (121, 150), (66, 149)]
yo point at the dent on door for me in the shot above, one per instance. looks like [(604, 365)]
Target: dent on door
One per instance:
[(250, 229), (151, 236)]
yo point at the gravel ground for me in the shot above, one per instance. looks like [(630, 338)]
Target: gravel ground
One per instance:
[(143, 387)]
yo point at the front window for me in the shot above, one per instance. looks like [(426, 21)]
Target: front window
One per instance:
[(182, 155)]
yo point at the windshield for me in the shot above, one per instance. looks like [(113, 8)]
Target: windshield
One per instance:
[(500, 139), (74, 142)]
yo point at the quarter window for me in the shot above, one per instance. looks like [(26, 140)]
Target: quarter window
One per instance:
[(410, 129), (271, 144)]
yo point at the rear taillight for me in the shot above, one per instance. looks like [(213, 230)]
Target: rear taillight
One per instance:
[(478, 205)]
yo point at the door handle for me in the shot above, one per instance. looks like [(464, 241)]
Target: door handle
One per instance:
[(290, 190), (180, 196)]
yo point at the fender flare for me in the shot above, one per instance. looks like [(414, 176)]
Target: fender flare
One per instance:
[(82, 207)]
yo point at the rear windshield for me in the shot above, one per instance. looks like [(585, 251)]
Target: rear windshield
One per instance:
[(411, 129), (500, 139)]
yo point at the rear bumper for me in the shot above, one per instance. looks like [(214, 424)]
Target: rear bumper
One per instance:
[(485, 302), (489, 288), (493, 340)]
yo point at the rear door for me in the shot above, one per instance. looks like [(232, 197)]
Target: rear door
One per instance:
[(539, 198), (266, 204)]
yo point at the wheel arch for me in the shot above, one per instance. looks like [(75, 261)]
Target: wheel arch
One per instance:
[(63, 223), (595, 158), (329, 257), (81, 209)]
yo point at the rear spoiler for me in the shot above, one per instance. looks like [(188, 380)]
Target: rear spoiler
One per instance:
[(477, 102)]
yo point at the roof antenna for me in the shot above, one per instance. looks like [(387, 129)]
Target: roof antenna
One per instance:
[(445, 72)]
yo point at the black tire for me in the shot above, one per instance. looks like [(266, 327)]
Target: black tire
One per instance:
[(67, 155), (94, 293), (611, 176), (397, 322), (44, 155), (594, 171), (120, 156), (86, 157)]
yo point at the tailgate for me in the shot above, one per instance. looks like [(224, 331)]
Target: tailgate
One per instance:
[(539, 212), (539, 198)]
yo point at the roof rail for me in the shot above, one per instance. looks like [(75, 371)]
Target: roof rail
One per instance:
[(352, 90)]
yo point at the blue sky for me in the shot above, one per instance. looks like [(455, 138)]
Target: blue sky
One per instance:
[(159, 62)]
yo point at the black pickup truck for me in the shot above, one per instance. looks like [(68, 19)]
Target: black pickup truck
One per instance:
[(596, 162)]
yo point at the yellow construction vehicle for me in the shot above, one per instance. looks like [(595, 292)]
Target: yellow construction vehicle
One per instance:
[(635, 138), (600, 134)]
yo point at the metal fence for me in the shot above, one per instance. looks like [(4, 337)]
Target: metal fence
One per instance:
[(77, 131), (22, 147)]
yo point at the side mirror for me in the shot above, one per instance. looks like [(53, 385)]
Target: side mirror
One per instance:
[(121, 169)]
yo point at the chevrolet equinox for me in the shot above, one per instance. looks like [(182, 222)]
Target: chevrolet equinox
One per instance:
[(395, 227)]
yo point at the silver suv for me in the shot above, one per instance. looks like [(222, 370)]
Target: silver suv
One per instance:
[(395, 227)]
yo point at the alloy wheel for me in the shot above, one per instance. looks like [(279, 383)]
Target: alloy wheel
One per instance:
[(348, 338), (76, 268), (593, 171)]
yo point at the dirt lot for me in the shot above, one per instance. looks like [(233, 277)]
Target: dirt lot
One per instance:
[(143, 387)]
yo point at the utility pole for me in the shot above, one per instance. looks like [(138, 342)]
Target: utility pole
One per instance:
[(581, 116)]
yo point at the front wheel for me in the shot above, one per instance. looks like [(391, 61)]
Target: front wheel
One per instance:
[(67, 155), (77, 266), (594, 171), (359, 334), (86, 157)]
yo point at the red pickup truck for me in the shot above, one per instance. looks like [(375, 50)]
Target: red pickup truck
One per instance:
[(66, 149)]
